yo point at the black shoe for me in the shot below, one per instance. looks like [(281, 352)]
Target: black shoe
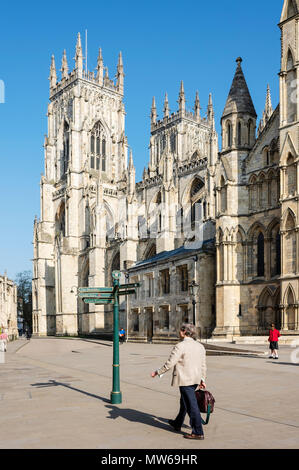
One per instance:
[(172, 424)]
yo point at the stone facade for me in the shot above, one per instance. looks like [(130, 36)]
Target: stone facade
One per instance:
[(8, 307), (224, 220)]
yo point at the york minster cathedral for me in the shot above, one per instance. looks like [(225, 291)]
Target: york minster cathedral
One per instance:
[(211, 230)]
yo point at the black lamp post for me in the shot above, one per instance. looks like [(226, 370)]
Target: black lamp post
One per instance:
[(193, 291)]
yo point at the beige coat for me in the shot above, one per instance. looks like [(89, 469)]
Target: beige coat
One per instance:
[(189, 361)]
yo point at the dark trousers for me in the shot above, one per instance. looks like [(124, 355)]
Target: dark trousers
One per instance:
[(188, 404)]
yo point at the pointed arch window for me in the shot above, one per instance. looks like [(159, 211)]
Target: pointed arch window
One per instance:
[(278, 254), (195, 194), (239, 133), (229, 134), (66, 148), (253, 193), (98, 148), (291, 97), (250, 127), (173, 142), (260, 255), (60, 220), (291, 175), (290, 245)]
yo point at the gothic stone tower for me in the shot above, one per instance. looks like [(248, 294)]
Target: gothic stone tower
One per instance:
[(289, 138), (257, 237), (85, 164), (238, 137)]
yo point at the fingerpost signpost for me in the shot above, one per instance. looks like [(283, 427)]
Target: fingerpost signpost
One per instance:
[(104, 296)]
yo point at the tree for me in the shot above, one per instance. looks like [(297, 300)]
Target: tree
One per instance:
[(24, 284)]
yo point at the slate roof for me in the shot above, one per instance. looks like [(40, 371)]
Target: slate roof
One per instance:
[(239, 99), (164, 255)]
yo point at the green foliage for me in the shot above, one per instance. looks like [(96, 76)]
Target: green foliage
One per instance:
[(24, 284)]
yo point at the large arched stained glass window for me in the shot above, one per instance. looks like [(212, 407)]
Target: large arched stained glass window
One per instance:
[(98, 148)]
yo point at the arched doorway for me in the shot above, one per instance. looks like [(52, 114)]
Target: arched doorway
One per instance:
[(290, 309), (268, 309)]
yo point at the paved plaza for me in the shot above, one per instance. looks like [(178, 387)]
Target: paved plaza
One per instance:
[(55, 393)]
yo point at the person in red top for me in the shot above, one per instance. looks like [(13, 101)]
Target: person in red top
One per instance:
[(273, 338)]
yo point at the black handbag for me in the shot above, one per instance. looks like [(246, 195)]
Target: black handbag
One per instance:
[(205, 401)]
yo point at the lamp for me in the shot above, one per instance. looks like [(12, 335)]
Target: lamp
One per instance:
[(193, 287)]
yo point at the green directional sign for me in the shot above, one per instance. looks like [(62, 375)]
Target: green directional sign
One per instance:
[(97, 295), (98, 301), (126, 292), (127, 286), (105, 296), (94, 289)]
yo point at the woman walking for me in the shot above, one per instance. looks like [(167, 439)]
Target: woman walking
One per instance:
[(188, 358)]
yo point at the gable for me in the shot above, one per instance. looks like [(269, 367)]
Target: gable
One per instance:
[(255, 159)]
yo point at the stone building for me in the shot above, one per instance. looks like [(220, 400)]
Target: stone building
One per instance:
[(221, 220), (8, 307)]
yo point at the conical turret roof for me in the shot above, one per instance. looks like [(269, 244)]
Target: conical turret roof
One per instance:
[(239, 99)]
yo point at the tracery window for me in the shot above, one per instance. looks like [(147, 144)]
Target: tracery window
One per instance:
[(66, 148), (291, 176), (195, 193), (173, 142), (291, 89), (98, 148)]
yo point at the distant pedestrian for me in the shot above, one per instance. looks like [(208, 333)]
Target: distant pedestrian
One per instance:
[(189, 361), (28, 333), (122, 335), (273, 339)]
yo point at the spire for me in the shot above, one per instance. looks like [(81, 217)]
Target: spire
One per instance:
[(53, 76), (106, 76), (267, 113), (268, 107), (239, 99), (100, 68), (197, 107), (182, 99), (64, 67), (131, 175), (166, 106), (153, 112), (120, 75), (131, 163), (211, 114), (79, 55)]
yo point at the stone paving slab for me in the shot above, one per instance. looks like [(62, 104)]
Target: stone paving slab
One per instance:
[(55, 393)]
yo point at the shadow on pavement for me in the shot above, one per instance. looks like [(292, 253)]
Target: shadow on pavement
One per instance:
[(114, 411), (283, 363)]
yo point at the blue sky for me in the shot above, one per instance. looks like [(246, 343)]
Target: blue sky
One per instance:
[(162, 42)]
